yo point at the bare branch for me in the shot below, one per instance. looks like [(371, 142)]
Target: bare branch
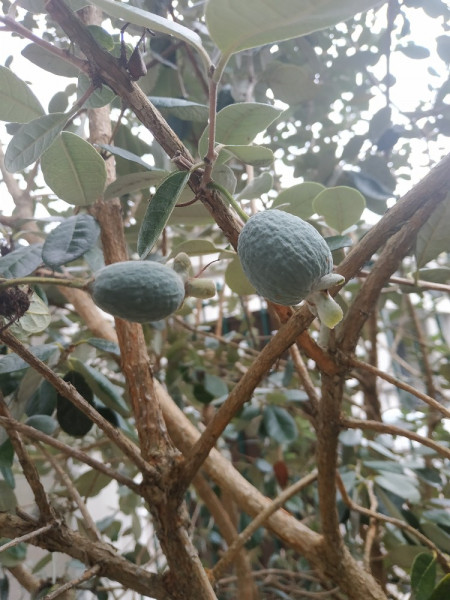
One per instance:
[(25, 538), (394, 430), (88, 574)]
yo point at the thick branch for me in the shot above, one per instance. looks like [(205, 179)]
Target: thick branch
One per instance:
[(62, 539)]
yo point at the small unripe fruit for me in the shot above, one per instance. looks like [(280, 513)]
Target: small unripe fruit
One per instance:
[(287, 260), (139, 291)]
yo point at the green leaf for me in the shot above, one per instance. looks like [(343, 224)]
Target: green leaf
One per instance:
[(196, 247), (15, 555), (290, 83), (279, 424), (443, 47), (21, 262), (8, 501), (235, 25), (143, 18), (215, 386), (180, 108), (236, 279), (436, 275), (134, 182), (126, 154), (238, 124), (423, 575), (437, 535), (12, 362), (74, 170), (17, 102), (336, 242), (104, 345), (43, 401), (257, 156), (111, 395), (70, 240), (400, 485), (298, 199), (101, 96), (442, 590), (256, 187), (91, 483), (159, 210), (433, 238), (36, 319), (43, 58), (32, 140), (340, 206), (43, 423), (224, 176)]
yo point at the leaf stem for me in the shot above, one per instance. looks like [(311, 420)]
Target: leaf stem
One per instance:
[(244, 216)]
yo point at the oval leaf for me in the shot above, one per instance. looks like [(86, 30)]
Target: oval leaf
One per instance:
[(432, 238), (298, 199), (340, 206), (111, 395), (134, 182), (257, 156), (43, 58), (180, 108), (159, 210), (43, 423), (21, 262), (400, 485), (238, 124), (32, 139), (100, 97), (70, 240), (17, 101), (74, 170), (236, 279), (279, 424), (235, 25), (256, 187), (195, 248)]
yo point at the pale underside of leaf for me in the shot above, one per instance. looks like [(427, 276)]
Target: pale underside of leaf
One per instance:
[(235, 25)]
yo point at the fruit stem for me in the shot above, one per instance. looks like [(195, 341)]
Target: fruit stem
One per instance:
[(73, 283), (244, 216)]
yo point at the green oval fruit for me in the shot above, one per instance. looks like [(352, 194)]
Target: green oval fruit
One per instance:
[(139, 291), (283, 257)]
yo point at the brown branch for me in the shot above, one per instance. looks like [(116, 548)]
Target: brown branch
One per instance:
[(359, 364), (348, 575), (240, 394), (246, 534), (62, 539), (83, 457), (305, 379), (25, 538), (69, 392), (25, 578), (72, 491), (29, 470), (397, 522), (229, 532), (420, 283), (395, 249), (395, 430)]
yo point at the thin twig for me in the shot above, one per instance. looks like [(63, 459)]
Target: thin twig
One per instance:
[(420, 283), (29, 469), (26, 537), (400, 384), (394, 430), (83, 457), (259, 520), (397, 522), (69, 392), (88, 574), (373, 527), (89, 523)]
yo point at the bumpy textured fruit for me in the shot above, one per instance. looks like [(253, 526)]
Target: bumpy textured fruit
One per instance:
[(287, 260), (283, 257), (139, 291)]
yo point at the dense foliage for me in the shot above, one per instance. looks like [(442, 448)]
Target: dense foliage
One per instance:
[(237, 448)]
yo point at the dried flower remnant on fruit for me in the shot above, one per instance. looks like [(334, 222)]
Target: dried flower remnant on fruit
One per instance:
[(14, 303)]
